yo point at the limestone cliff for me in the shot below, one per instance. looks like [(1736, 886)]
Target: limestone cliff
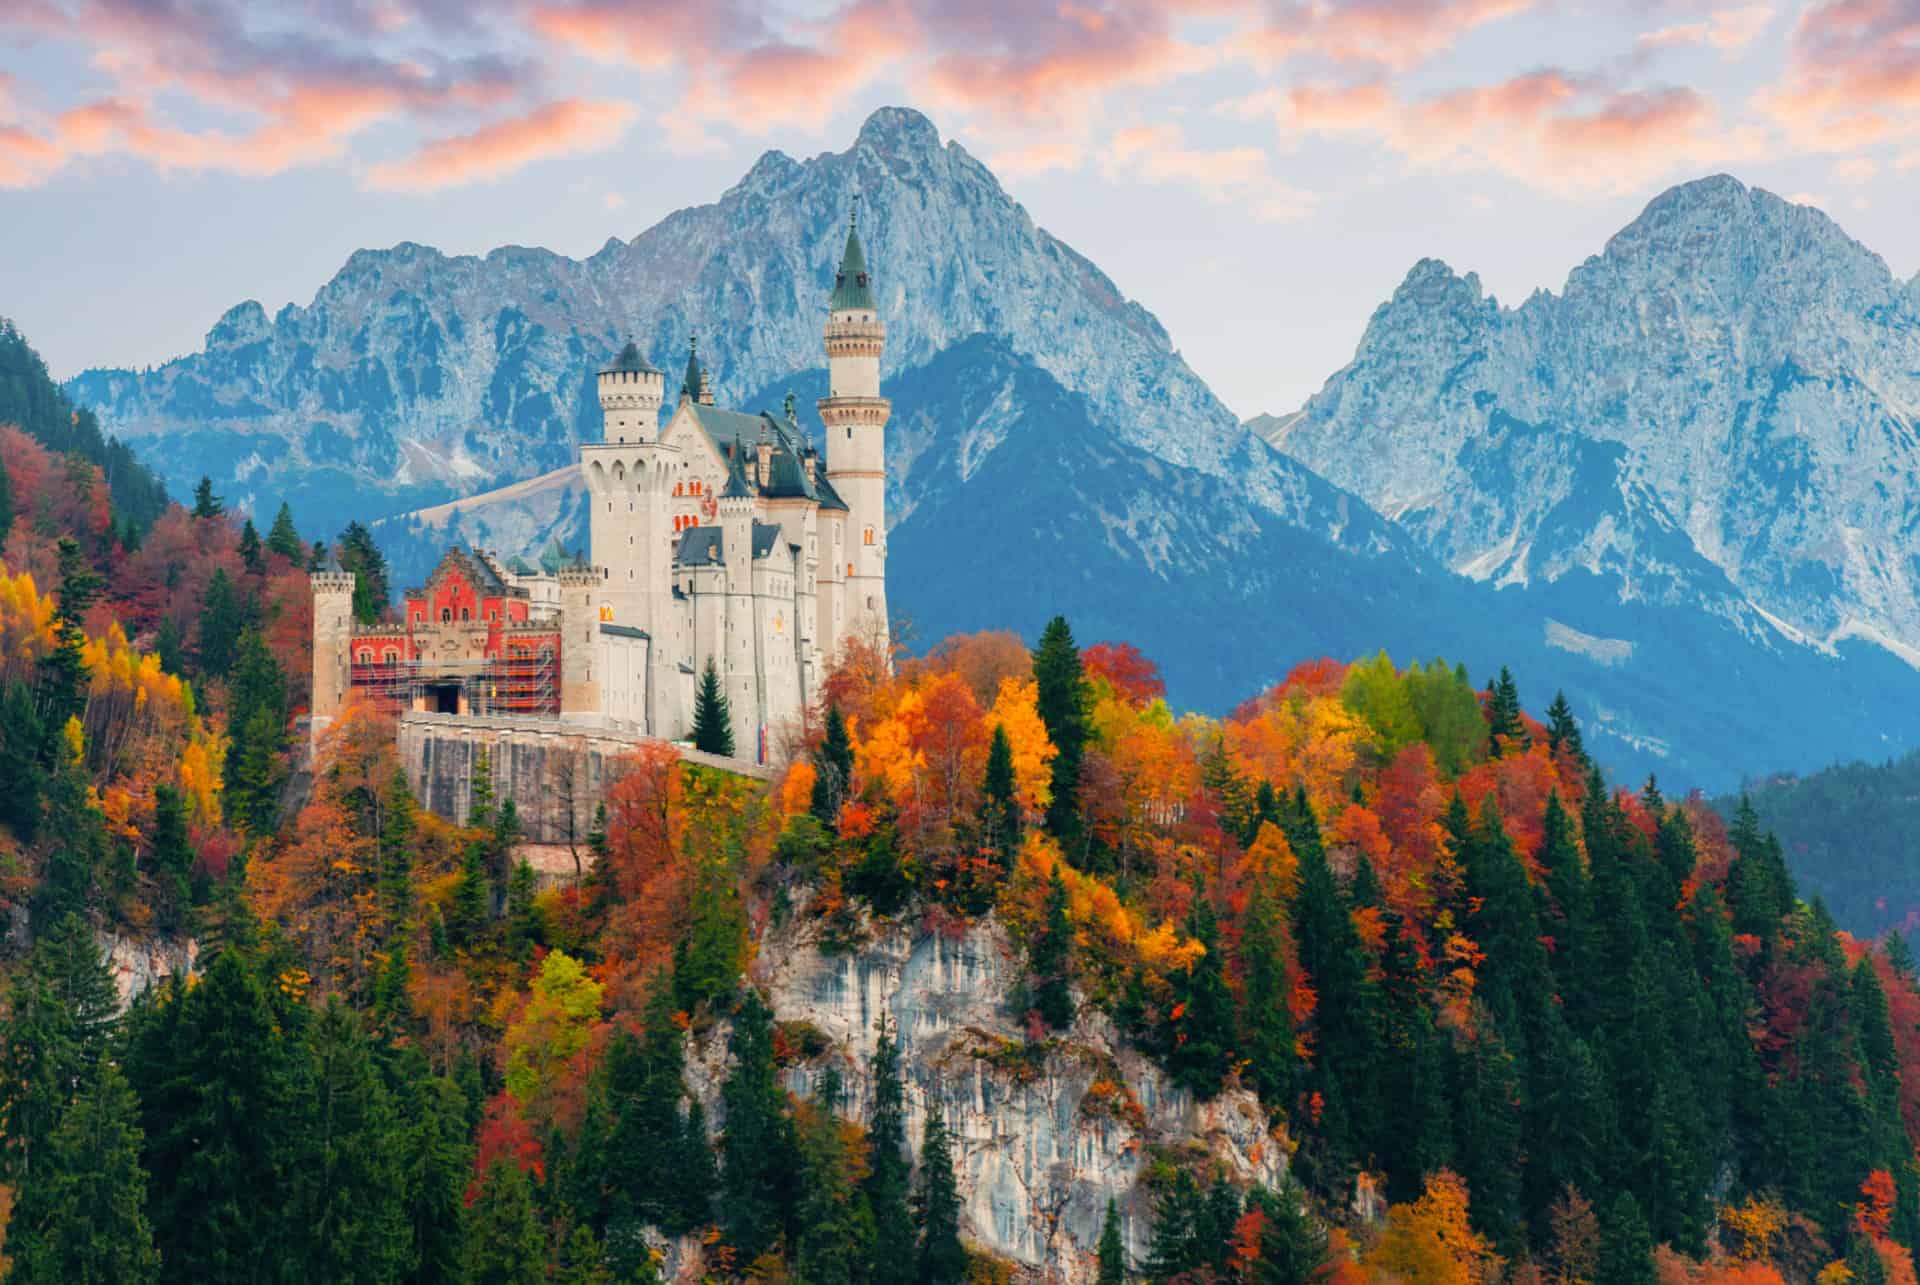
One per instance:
[(1043, 1137)]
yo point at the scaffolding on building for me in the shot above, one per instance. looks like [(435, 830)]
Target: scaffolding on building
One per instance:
[(516, 683)]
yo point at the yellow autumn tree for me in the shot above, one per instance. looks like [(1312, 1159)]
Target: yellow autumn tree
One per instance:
[(1015, 709), (555, 1025), (1431, 1242)]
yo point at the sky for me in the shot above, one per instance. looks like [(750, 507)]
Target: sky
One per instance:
[(1258, 173)]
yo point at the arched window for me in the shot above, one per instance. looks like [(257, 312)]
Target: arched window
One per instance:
[(866, 537), (389, 656), (446, 615), (466, 614), (366, 656)]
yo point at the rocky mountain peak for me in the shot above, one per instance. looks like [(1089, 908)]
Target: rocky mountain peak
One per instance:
[(898, 130), (241, 324)]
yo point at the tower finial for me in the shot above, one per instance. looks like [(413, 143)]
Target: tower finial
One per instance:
[(788, 405)]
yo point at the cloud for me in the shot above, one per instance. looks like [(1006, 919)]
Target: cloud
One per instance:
[(555, 129), (1854, 76), (1394, 35), (1730, 31), (1236, 176)]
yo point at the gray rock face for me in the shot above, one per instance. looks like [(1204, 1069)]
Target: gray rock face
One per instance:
[(1040, 1146), (1720, 408)]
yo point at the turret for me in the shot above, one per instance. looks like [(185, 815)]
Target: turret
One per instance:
[(855, 415), (579, 635), (630, 398), (332, 634)]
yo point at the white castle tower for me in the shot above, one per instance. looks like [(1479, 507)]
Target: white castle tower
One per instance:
[(855, 415)]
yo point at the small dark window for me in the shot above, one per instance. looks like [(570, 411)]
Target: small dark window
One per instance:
[(446, 615), (465, 614)]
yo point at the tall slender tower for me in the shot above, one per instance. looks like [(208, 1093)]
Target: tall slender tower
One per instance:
[(628, 474), (855, 415), (332, 632)]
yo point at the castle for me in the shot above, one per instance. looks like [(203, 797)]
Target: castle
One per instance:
[(721, 537)]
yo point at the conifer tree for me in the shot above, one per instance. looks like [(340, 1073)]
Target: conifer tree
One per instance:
[(1051, 958), (6, 502), (22, 744), (712, 719), (757, 1151), (1061, 702), (1563, 731), (888, 1168), (1505, 731), (505, 1244), (283, 539), (942, 1259), (360, 555), (173, 854), (62, 678), (1293, 1244), (396, 853), (1204, 1028), (480, 814), (205, 503), (470, 912), (832, 770), (1266, 1023), (524, 929), (257, 719), (170, 647), (82, 1219), (1863, 1262), (1112, 1253), (999, 807), (829, 1244), (250, 548), (60, 1016), (222, 621), (1626, 1246)]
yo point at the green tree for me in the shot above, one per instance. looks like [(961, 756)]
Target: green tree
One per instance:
[(712, 719), (1203, 1031), (1449, 713), (1375, 691), (250, 548), (283, 539), (1563, 732), (999, 805), (82, 1219), (888, 1168), (942, 1259), (60, 1016), (525, 928), (470, 910), (1111, 1255), (1505, 731), (757, 1151), (173, 854), (715, 948), (62, 678), (1293, 1244), (832, 770), (505, 1242), (1051, 959), (170, 647), (205, 503), (257, 723), (6, 502), (1061, 702), (1266, 1023), (436, 1166), (832, 1226), (360, 555), (222, 620), (1626, 1246), (23, 743)]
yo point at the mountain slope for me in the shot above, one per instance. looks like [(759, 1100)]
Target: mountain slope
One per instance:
[(1754, 372)]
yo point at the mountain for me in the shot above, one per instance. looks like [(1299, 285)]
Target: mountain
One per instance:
[(1719, 409), (1049, 452)]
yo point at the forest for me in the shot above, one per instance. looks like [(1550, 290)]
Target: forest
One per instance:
[(1507, 1020)]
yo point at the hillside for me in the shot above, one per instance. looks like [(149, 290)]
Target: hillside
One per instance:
[(1849, 833)]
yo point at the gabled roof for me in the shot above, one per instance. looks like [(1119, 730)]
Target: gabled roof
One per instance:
[(700, 547), (477, 570)]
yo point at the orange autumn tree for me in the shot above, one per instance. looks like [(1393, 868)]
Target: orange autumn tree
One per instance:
[(1431, 1241)]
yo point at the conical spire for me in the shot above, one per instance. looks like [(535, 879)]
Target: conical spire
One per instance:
[(690, 386), (737, 488), (630, 360), (851, 288)]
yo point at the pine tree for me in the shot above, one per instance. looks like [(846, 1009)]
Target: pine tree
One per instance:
[(480, 814), (505, 1243), (1203, 1031), (1266, 1023), (250, 548), (82, 1220), (257, 719), (1863, 1262), (470, 912), (173, 854), (62, 678), (60, 1015), (1563, 731), (222, 621), (283, 539), (1505, 732), (524, 924), (712, 719), (888, 1168), (999, 807), (1112, 1253), (1061, 702), (1051, 959), (205, 503), (832, 770), (170, 647), (942, 1259), (1626, 1246), (757, 1151), (829, 1244), (1293, 1244), (436, 1166), (360, 555), (23, 741)]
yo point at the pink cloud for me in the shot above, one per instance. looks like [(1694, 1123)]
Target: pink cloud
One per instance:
[(555, 129), (1237, 176), (1728, 30), (1391, 34), (1854, 76)]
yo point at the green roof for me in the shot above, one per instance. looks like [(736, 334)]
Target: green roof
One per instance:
[(851, 288), (690, 384)]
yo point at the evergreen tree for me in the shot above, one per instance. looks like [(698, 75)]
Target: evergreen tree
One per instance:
[(888, 1168), (524, 926), (505, 1243), (832, 770), (173, 854), (283, 539), (1564, 731), (6, 502), (1266, 1023), (942, 1259), (205, 503), (250, 548), (1293, 1244), (999, 807), (1505, 732), (1626, 1246), (436, 1166), (60, 1014), (396, 853), (257, 719), (23, 742), (82, 1221), (1051, 958), (62, 680), (1203, 1031), (712, 719), (170, 647), (1863, 1262), (222, 621), (1896, 948), (715, 948), (1061, 702), (360, 555), (469, 913), (757, 1151), (1112, 1253), (830, 1242)]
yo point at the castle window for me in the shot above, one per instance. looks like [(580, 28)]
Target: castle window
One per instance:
[(866, 537), (366, 657), (465, 614), (446, 615), (390, 656)]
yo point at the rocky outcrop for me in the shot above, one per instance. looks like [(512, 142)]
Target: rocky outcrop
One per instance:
[(1044, 1134), (140, 964)]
